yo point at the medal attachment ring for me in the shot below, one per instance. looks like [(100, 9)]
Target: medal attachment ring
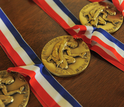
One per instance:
[(64, 56)]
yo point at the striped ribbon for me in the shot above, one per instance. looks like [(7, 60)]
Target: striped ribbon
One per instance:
[(119, 5), (47, 90), (97, 39)]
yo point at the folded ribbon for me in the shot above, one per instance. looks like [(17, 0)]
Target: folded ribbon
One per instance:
[(47, 90), (98, 40), (119, 5)]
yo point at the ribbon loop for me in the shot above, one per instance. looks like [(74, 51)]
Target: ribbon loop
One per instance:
[(97, 39)]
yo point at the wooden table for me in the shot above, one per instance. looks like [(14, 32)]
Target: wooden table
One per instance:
[(100, 85)]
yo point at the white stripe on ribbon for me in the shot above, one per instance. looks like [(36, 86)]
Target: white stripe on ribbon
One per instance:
[(89, 32), (59, 98), (15, 44), (104, 49), (120, 1), (47, 86), (53, 5), (112, 44)]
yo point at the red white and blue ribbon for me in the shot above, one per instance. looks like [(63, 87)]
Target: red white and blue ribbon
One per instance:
[(47, 90), (119, 4), (97, 39)]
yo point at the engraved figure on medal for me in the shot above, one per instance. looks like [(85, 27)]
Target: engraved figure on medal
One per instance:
[(101, 15), (9, 91), (65, 53)]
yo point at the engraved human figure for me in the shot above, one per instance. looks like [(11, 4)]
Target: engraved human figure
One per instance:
[(62, 60), (6, 98), (98, 15)]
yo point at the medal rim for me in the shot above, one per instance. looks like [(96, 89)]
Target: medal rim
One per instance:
[(108, 30), (57, 74), (23, 102)]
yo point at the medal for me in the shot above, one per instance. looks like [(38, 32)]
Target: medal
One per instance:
[(64, 56), (14, 90), (42, 83), (101, 15)]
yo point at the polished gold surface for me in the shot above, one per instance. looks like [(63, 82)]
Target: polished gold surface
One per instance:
[(101, 15), (65, 56), (14, 90)]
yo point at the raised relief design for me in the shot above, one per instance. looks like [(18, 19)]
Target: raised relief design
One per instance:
[(63, 55), (101, 15), (98, 15), (10, 90)]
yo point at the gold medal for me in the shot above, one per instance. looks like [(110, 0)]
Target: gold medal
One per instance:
[(64, 56), (101, 15), (14, 90)]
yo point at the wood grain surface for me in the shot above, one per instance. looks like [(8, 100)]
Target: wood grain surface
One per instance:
[(100, 85)]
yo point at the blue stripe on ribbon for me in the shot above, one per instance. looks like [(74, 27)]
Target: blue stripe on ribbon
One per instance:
[(111, 38), (37, 61), (58, 87), (19, 39), (67, 12)]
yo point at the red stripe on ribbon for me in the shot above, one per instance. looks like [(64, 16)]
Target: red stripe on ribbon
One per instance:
[(43, 96), (11, 53), (116, 3), (103, 54), (51, 12), (113, 50)]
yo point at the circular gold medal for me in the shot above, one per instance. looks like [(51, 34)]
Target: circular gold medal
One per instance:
[(14, 90), (64, 56), (101, 15)]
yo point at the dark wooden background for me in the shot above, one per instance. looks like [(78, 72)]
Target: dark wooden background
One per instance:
[(100, 85)]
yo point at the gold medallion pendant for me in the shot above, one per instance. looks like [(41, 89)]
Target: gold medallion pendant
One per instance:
[(101, 15), (64, 56), (15, 90)]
